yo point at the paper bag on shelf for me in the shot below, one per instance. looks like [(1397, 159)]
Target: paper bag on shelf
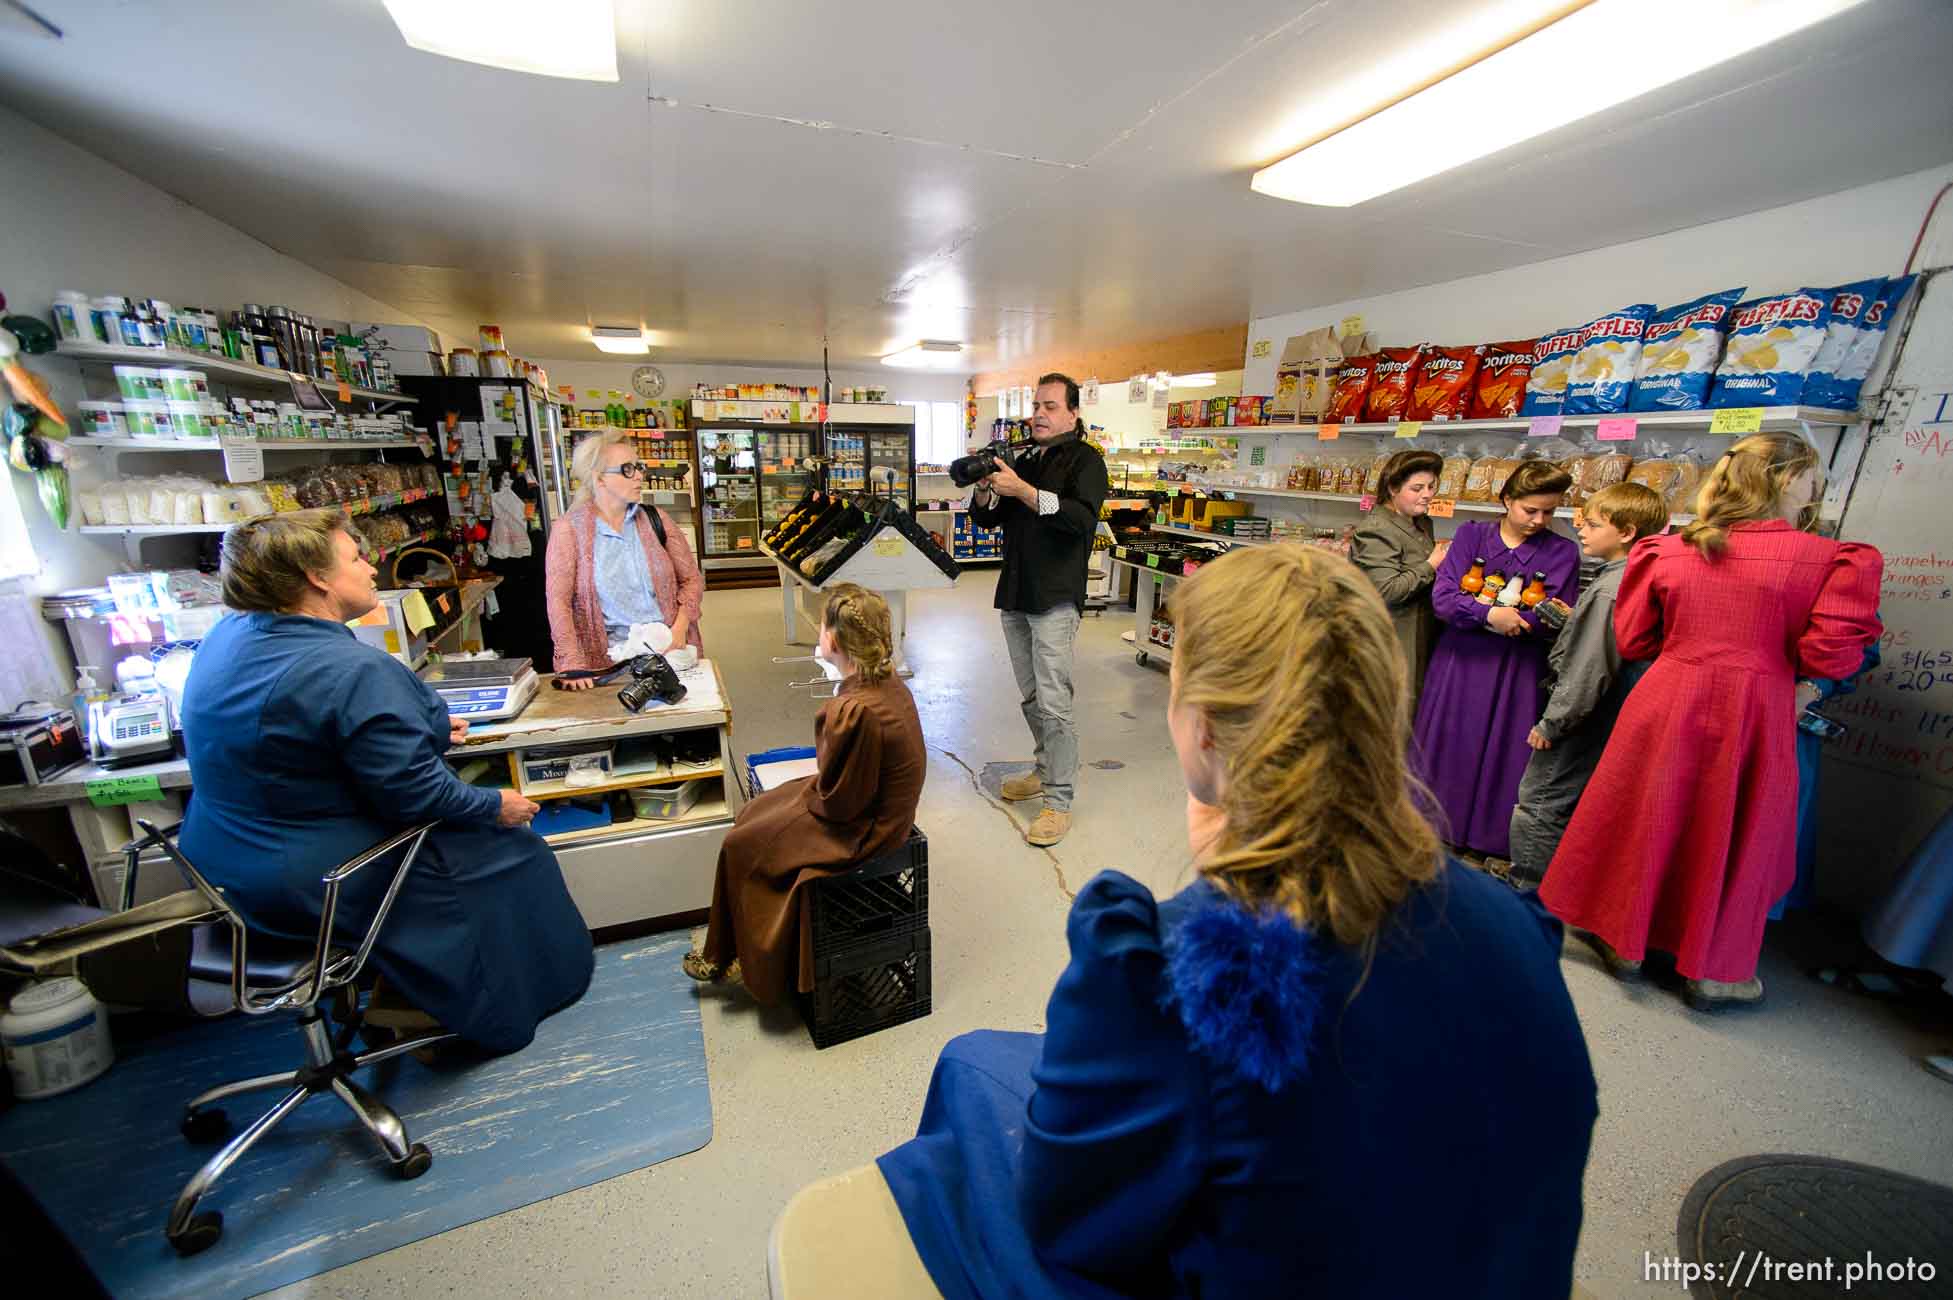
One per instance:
[(1304, 376)]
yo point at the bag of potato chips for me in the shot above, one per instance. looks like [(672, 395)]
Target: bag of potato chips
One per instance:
[(1771, 343), (1390, 385), (1352, 390), (1680, 351), (1552, 360), (1500, 389), (1442, 388), (1859, 316), (1602, 374)]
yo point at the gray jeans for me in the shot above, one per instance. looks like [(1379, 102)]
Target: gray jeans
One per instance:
[(1040, 655), (1548, 793)]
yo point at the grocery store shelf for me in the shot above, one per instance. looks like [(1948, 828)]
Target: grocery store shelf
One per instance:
[(240, 372), (1200, 536), (1773, 417), (149, 530), (269, 444)]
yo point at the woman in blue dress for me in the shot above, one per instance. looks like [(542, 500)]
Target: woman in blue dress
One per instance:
[(1338, 1064), (307, 747)]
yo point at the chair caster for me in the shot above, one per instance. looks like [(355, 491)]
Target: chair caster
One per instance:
[(417, 1161), (1141, 659), (206, 1126), (201, 1234)]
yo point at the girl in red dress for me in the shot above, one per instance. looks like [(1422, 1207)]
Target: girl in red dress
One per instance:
[(1688, 832)]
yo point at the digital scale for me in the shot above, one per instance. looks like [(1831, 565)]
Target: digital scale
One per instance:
[(483, 690)]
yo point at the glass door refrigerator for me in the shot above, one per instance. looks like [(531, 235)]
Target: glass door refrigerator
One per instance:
[(785, 471), (866, 437), (729, 497)]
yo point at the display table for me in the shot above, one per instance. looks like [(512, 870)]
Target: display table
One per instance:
[(646, 872), (1148, 584), (889, 565)]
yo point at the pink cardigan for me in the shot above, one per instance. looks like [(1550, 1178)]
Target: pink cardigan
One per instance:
[(576, 620)]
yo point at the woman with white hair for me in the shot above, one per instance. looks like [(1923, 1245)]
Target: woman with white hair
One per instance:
[(617, 571)]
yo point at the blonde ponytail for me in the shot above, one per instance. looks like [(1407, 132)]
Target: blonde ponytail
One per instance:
[(863, 629), (1748, 484), (1288, 653)]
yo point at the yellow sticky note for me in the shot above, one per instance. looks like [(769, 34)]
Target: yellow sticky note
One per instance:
[(1351, 327), (419, 617), (1737, 419), (889, 544), (1409, 428)]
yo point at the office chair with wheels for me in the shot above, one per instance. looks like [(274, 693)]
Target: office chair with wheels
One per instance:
[(267, 976)]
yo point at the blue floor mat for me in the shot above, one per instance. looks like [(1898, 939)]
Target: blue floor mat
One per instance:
[(615, 1083)]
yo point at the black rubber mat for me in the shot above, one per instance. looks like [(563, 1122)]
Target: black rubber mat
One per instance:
[(1803, 1227)]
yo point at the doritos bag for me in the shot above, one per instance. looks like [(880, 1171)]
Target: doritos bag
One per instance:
[(1552, 363), (1352, 389), (1839, 369), (1442, 389), (1390, 384), (1500, 389), (1680, 351), (1771, 343), (1603, 370)]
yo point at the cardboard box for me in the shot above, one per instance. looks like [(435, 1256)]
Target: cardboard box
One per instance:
[(401, 338), (414, 363), (389, 627)]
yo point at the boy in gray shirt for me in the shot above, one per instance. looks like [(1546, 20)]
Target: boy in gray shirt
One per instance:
[(1588, 681)]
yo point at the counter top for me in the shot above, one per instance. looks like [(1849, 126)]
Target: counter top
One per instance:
[(72, 785), (556, 717), (552, 717)]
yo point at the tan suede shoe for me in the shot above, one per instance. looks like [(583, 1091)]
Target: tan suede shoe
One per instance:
[(1023, 786), (1713, 995), (1048, 829)]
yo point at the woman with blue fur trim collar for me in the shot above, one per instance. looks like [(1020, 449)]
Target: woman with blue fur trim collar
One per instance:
[(1337, 1064)]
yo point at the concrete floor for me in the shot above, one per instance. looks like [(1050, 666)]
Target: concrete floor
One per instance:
[(1816, 1071)]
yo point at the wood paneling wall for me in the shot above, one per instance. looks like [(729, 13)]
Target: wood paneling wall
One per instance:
[(1183, 354)]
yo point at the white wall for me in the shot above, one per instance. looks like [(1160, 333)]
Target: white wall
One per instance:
[(1127, 422), (1851, 235), (70, 220), (902, 385)]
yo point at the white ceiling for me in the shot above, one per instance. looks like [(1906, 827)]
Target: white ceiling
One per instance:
[(1028, 177)]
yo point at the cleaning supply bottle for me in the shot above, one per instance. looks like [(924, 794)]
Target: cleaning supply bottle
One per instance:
[(87, 692)]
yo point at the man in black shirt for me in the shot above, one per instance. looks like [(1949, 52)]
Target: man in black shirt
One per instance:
[(1048, 506)]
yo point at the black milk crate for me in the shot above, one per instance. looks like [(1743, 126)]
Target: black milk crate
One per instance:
[(868, 989), (881, 898)]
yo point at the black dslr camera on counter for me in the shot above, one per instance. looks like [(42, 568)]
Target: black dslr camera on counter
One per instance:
[(652, 678)]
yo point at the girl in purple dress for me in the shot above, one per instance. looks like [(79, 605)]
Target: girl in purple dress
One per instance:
[(1481, 694)]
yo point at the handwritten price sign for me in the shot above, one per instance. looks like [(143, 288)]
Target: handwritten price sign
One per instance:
[(1737, 419), (1443, 507)]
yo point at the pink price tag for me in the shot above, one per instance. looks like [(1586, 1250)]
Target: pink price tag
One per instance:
[(1367, 504), (1543, 426), (1615, 430)]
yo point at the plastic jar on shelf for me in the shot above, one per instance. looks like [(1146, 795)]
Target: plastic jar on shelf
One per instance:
[(102, 420), (73, 321), (140, 383)]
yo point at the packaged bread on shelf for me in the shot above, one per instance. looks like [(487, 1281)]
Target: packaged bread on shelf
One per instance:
[(1452, 478), (1675, 475), (1488, 476), (1373, 477), (1594, 471)]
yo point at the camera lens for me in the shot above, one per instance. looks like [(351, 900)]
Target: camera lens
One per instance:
[(638, 694), (965, 470)]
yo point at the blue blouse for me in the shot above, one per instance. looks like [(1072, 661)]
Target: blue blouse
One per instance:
[(624, 589)]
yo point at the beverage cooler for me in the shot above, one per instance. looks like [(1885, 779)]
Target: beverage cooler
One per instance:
[(752, 470)]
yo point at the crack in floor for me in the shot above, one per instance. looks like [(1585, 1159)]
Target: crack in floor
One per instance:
[(976, 783)]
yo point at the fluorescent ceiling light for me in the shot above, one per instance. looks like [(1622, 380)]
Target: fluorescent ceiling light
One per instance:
[(563, 38), (1205, 379), (625, 340), (930, 354), (1606, 53)]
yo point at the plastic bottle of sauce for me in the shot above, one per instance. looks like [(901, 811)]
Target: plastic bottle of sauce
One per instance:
[(1509, 594), (1535, 590), (1489, 592), (1474, 580)]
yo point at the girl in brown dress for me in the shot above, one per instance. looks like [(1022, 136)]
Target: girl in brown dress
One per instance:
[(858, 805)]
